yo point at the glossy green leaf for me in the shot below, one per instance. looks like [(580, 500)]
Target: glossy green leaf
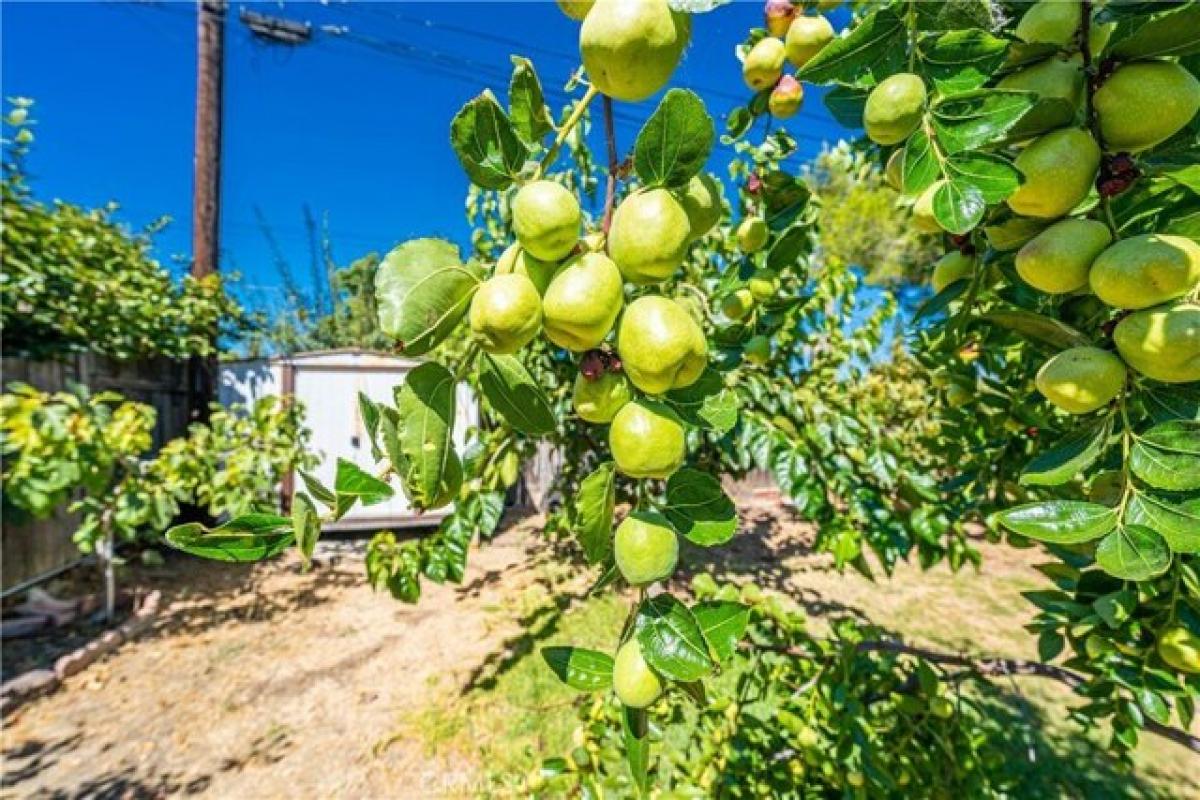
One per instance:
[(593, 521), (1178, 523), (1168, 456), (429, 466), (351, 481), (368, 411), (1173, 34), (1038, 327), (1068, 456), (422, 291), (942, 300), (585, 670), (675, 142), (994, 176), (974, 119), (306, 526), (961, 60), (699, 509), (526, 103), (846, 104), (635, 731), (1060, 521), (513, 392), (671, 640), (707, 403), (251, 537), (873, 49), (722, 623), (320, 491), (486, 144), (1133, 553), (958, 206), (919, 165)]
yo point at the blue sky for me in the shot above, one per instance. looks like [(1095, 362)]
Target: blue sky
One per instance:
[(355, 125)]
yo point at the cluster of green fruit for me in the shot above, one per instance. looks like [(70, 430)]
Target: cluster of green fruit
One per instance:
[(792, 36)]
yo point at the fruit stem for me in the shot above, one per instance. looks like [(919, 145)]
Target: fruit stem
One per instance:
[(565, 131), (610, 137), (1089, 110)]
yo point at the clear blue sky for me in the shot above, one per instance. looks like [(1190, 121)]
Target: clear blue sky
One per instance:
[(353, 125)]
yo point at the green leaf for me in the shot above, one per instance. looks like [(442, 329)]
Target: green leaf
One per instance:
[(942, 300), (873, 49), (526, 104), (994, 176), (671, 640), (699, 509), (1069, 456), (1060, 521), (368, 410), (306, 526), (486, 144), (1151, 702), (784, 196), (1038, 327), (426, 405), (675, 142), (1168, 456), (351, 481), (1178, 523), (846, 104), (251, 537), (961, 60), (707, 403), (1114, 608), (722, 623), (594, 512), (422, 291), (514, 393), (635, 730), (971, 120), (788, 248), (919, 166), (585, 670), (958, 206), (1173, 34), (1133, 553), (324, 494)]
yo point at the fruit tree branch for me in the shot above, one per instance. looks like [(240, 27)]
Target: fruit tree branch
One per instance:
[(610, 137)]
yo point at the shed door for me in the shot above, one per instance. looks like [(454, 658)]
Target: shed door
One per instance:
[(330, 398)]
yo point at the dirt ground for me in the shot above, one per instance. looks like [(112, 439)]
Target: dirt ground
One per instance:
[(259, 681)]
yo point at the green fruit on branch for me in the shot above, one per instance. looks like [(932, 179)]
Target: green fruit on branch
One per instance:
[(806, 37), (1082, 379), (1050, 22), (546, 218), (1012, 233), (757, 350), (953, 266), (630, 48), (598, 400), (752, 234), (763, 285), (923, 217), (515, 261), (646, 441), (1146, 270), (645, 548), (649, 236), (636, 684), (701, 200), (764, 64), (1180, 648), (894, 108), (576, 9), (1144, 103), (778, 15), (1059, 168), (660, 345), (738, 304), (894, 171), (1058, 259), (786, 98), (582, 302), (506, 313), (1162, 343), (1058, 83)]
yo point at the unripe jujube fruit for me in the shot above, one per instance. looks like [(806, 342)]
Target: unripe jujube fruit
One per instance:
[(506, 313), (1144, 103), (660, 345), (757, 350), (923, 217), (806, 36), (630, 48), (1059, 169), (582, 302), (752, 234), (951, 267), (894, 108), (1058, 83), (1058, 259), (599, 399), (649, 236), (646, 441), (1180, 648), (894, 171), (546, 219), (1050, 22), (514, 260), (738, 304), (645, 548), (701, 200), (1162, 343), (636, 684), (1081, 379), (763, 64), (1146, 270), (763, 285), (786, 98)]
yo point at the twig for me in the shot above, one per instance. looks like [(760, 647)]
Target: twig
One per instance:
[(565, 131), (614, 165)]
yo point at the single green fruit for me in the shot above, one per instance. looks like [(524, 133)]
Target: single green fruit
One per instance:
[(752, 234), (582, 302), (649, 236), (1050, 22), (1081, 379), (1059, 169), (630, 48), (1107, 488), (1058, 259), (636, 684), (1144, 103), (894, 108), (1162, 343), (941, 707), (957, 396), (894, 171), (855, 779), (506, 313), (646, 548), (786, 98), (1180, 648), (646, 442), (515, 261), (701, 200), (660, 345), (546, 219), (806, 37), (576, 9), (1146, 270), (764, 63), (1012, 233), (951, 267), (599, 400), (1058, 83), (738, 304), (757, 350), (763, 285), (923, 217)]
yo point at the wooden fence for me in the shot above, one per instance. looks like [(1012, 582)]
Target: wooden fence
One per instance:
[(33, 551)]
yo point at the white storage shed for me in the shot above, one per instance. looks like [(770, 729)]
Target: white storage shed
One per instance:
[(327, 383)]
